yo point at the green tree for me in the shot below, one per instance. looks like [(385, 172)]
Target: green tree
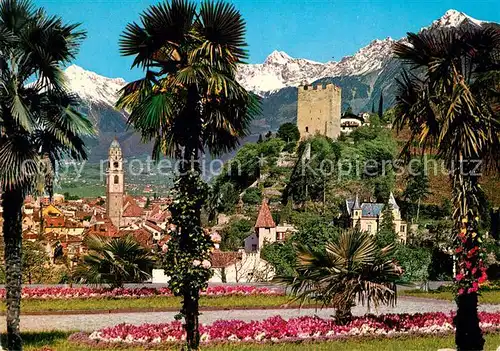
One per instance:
[(381, 106), (34, 262), (415, 262), (252, 196), (188, 102), (114, 262), (349, 269), (387, 222), (452, 106), (312, 170), (39, 124), (417, 186), (288, 132), (148, 203), (235, 233)]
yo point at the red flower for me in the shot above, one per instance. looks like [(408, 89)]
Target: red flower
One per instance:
[(459, 277)]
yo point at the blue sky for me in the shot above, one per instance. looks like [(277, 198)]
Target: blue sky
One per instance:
[(314, 29)]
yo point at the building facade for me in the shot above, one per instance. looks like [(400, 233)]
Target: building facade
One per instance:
[(115, 184), (368, 216), (319, 110)]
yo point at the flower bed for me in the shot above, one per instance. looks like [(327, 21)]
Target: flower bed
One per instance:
[(276, 329), (86, 292)]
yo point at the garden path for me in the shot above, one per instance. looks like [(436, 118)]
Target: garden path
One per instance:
[(89, 322)]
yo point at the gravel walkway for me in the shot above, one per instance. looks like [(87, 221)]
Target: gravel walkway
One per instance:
[(95, 321)]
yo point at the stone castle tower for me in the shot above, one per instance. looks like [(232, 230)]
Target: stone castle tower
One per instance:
[(114, 184), (319, 110)]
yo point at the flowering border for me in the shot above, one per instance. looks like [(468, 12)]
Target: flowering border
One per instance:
[(277, 329), (53, 293)]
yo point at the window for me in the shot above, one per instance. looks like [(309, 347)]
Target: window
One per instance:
[(115, 164), (402, 229), (254, 247), (116, 179), (307, 129), (369, 228)]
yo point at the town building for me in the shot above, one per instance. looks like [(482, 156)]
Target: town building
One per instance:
[(368, 216), (349, 122), (115, 184), (319, 110)]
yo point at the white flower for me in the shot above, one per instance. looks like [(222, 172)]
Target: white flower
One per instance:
[(196, 263), (206, 264)]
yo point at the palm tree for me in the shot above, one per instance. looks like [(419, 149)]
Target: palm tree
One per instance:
[(38, 122), (188, 102), (114, 261), (449, 99), (351, 268)]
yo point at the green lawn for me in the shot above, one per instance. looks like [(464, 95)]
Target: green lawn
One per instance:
[(490, 297), (33, 305), (58, 341)]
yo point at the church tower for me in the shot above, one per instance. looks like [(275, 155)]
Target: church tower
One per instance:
[(114, 184)]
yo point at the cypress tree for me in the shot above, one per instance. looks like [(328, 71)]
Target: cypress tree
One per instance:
[(381, 106)]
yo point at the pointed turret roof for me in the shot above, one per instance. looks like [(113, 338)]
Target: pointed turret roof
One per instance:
[(392, 201), (115, 144), (265, 218), (356, 205)]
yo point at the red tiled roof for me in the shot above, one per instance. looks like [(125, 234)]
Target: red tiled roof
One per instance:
[(53, 222), (153, 226), (107, 229), (132, 210), (222, 259), (82, 214), (265, 218)]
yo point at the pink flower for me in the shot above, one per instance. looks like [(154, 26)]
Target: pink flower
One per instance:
[(459, 277), (196, 263), (206, 264)]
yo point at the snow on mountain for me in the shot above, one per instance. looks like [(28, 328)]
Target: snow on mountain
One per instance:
[(453, 18), (279, 70), (92, 87)]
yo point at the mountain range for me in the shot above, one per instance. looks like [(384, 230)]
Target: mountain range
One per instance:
[(363, 77)]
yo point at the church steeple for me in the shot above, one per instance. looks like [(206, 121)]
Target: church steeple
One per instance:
[(114, 183)]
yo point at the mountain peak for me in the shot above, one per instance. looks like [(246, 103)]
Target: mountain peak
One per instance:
[(278, 57), (93, 87), (453, 18)]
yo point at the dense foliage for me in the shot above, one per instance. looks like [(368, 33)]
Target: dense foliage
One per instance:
[(114, 262), (39, 122), (449, 101), (351, 268), (188, 102)]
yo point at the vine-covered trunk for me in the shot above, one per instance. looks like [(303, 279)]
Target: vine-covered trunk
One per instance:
[(471, 270), (187, 258), (191, 314), (12, 200)]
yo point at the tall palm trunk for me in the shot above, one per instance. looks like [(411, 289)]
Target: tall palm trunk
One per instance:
[(12, 200), (470, 265)]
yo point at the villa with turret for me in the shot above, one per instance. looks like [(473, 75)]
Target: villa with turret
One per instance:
[(368, 216)]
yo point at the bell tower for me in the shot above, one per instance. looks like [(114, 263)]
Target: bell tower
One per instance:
[(114, 183)]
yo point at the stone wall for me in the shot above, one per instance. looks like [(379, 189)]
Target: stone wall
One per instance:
[(319, 110)]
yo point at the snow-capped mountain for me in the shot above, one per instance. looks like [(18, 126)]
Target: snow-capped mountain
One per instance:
[(93, 88), (279, 70), (453, 18), (363, 77)]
